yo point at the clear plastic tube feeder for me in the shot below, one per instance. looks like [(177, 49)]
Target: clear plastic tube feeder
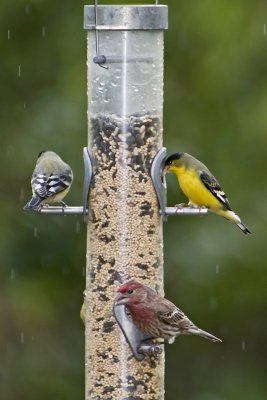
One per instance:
[(125, 103)]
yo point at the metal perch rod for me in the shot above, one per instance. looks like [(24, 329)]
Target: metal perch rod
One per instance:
[(186, 211), (59, 210)]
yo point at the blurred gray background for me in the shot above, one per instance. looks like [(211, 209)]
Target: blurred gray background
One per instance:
[(216, 109)]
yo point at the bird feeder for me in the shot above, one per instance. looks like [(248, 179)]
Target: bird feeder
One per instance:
[(124, 237), (124, 195)]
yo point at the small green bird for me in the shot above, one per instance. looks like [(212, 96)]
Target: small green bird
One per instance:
[(201, 187), (51, 180)]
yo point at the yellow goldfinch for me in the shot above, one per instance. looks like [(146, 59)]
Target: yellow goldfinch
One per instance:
[(51, 180), (201, 187)]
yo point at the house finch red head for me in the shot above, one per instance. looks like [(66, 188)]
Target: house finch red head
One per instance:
[(155, 316)]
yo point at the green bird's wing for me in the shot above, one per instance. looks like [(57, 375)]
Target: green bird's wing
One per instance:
[(214, 187)]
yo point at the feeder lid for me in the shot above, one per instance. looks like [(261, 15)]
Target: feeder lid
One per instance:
[(129, 17)]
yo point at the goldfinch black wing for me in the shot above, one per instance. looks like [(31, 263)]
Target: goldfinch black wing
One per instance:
[(46, 186), (213, 186)]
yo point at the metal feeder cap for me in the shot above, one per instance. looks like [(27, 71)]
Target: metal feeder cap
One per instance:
[(143, 17)]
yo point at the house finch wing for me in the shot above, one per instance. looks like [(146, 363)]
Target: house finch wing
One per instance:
[(176, 318)]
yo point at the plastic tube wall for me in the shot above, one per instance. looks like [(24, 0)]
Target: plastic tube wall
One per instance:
[(125, 228)]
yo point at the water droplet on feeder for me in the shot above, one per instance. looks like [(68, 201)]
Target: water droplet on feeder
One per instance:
[(117, 73), (8, 34), (19, 71), (243, 345)]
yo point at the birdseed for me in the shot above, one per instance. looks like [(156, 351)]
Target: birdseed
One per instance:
[(124, 241)]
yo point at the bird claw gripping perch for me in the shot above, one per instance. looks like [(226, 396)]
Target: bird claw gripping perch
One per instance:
[(134, 337), (158, 180), (150, 349)]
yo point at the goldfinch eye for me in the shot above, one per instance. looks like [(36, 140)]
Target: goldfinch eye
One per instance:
[(130, 291)]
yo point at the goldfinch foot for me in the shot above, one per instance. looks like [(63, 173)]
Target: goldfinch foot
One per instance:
[(181, 205)]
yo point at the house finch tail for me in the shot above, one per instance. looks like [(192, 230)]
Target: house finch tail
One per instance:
[(204, 334)]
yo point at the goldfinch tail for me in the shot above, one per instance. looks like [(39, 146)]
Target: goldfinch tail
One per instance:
[(233, 217), (34, 203), (243, 228)]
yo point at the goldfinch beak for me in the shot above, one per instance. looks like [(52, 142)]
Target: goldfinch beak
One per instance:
[(166, 169)]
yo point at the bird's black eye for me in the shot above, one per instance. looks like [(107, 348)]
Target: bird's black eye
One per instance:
[(130, 291)]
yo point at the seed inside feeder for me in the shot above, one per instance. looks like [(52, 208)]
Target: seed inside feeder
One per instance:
[(124, 240)]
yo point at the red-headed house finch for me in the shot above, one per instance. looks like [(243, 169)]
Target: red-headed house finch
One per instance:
[(156, 316)]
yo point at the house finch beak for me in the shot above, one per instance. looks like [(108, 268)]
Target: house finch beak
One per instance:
[(156, 316)]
